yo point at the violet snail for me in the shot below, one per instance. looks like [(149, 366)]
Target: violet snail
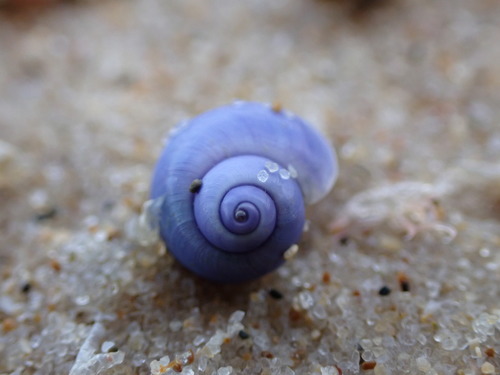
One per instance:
[(232, 184)]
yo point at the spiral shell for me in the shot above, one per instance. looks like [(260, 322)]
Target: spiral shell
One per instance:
[(233, 183)]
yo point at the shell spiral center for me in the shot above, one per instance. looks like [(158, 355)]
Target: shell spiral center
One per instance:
[(247, 208)]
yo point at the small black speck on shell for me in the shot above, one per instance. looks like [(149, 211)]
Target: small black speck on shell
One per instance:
[(195, 186)]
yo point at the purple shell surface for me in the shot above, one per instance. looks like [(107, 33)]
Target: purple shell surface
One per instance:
[(258, 168)]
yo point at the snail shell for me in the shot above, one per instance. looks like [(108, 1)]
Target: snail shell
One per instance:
[(233, 183)]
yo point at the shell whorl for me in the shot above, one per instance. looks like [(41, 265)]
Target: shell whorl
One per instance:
[(257, 168)]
